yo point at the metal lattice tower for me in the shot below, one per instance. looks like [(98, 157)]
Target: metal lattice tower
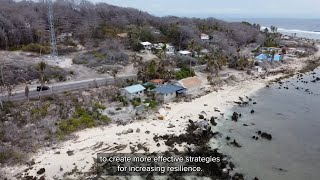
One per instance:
[(53, 41)]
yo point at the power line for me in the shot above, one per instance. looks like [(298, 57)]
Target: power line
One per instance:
[(53, 41)]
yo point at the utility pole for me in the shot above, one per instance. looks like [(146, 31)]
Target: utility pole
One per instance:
[(53, 42)]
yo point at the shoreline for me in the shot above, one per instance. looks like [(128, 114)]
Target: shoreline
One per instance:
[(77, 155)]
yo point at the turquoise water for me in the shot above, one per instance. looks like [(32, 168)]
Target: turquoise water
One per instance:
[(292, 117)]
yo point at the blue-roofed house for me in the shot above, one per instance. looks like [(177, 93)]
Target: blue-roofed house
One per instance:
[(277, 57), (262, 57), (134, 91), (168, 92)]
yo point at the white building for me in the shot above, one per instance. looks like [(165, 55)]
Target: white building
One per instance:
[(134, 91), (146, 45), (63, 36), (184, 53), (204, 37)]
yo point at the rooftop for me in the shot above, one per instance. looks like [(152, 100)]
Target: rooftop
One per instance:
[(190, 82), (185, 52), (146, 43), (157, 81), (170, 88), (134, 88)]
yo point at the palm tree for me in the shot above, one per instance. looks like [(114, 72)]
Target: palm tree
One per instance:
[(41, 67)]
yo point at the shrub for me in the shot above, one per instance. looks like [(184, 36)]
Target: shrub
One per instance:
[(35, 47), (184, 73)]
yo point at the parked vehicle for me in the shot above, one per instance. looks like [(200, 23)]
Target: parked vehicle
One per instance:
[(44, 88)]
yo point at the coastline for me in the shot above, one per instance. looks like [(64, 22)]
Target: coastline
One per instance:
[(77, 155), (116, 138)]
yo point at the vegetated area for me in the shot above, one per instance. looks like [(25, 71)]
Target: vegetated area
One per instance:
[(92, 25), (43, 123)]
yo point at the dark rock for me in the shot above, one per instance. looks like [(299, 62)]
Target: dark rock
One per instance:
[(257, 138), (41, 171), (252, 111), (235, 143), (201, 116), (253, 137), (254, 103), (147, 132), (138, 130), (235, 117), (259, 132), (212, 121), (245, 124), (227, 138), (70, 153), (158, 144), (255, 178), (266, 136)]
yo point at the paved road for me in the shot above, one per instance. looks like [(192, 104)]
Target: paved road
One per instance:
[(67, 86)]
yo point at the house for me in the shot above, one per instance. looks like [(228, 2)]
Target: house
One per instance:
[(184, 53), (277, 57), (146, 45), (134, 91), (204, 37), (262, 57), (170, 49), (191, 84), (168, 92), (63, 36)]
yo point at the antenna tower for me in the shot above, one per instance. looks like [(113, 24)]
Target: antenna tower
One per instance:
[(53, 41)]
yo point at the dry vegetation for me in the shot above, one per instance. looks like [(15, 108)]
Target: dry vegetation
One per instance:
[(36, 124)]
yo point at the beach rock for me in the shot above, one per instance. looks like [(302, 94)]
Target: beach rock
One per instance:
[(147, 132), (212, 121), (253, 137), (245, 124), (237, 176), (70, 153), (255, 178), (235, 117), (254, 103), (201, 116), (257, 138), (266, 136), (227, 138), (130, 130), (205, 104), (158, 144), (235, 143), (41, 171), (171, 125), (252, 111), (138, 130), (259, 132)]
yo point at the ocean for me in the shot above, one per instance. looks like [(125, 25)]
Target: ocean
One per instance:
[(292, 117), (307, 28)]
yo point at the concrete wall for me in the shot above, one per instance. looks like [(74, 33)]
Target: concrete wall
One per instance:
[(164, 98)]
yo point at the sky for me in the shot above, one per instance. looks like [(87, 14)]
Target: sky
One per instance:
[(225, 8)]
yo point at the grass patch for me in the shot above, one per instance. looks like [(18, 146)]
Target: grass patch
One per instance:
[(41, 111), (35, 47), (184, 73), (82, 119)]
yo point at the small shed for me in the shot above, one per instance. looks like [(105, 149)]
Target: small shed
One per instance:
[(168, 92), (184, 53), (134, 91), (262, 57), (146, 45), (278, 57)]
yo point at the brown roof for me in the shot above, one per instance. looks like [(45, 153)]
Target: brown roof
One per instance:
[(190, 82), (157, 81)]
